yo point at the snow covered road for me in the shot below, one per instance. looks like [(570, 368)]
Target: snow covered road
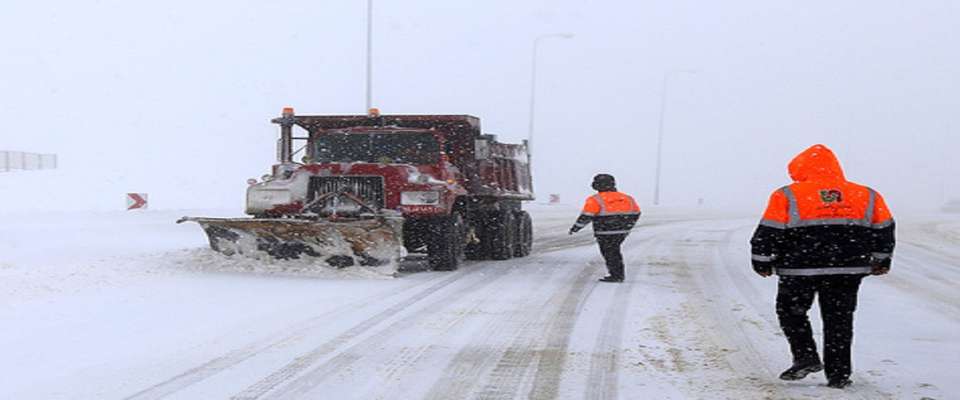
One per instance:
[(161, 317)]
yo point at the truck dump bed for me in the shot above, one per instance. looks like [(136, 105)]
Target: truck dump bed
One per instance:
[(490, 168)]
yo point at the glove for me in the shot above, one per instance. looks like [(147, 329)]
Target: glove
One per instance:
[(763, 266), (573, 229), (879, 266), (763, 271)]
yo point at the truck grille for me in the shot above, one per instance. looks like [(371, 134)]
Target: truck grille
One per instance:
[(368, 188)]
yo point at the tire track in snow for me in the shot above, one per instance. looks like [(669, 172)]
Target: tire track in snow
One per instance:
[(409, 356), (301, 385), (214, 366), (711, 279), (603, 374), (602, 379), (659, 350), (485, 348), (507, 377), (553, 357), (604, 370), (488, 348)]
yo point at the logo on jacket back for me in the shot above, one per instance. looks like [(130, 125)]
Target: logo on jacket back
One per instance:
[(831, 196)]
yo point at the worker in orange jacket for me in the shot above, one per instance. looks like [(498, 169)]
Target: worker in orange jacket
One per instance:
[(613, 215), (821, 234)]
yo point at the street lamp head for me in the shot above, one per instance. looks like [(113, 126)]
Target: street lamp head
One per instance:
[(554, 36)]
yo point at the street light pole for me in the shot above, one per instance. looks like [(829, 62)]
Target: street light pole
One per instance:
[(663, 108), (533, 83), (369, 56)]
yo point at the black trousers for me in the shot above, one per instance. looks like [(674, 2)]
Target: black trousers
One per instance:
[(838, 300), (610, 249)]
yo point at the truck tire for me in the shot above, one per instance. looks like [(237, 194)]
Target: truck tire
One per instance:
[(445, 246), (524, 235), (503, 235)]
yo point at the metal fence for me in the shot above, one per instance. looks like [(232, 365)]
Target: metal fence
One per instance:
[(18, 160)]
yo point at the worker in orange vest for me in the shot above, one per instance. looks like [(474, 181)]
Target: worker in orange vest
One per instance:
[(613, 215), (821, 234)]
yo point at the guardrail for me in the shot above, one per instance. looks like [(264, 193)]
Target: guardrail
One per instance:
[(21, 161)]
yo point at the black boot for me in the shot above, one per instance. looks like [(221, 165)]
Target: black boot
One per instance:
[(611, 279), (839, 383), (800, 370)]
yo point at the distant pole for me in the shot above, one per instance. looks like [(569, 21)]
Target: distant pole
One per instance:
[(533, 83), (369, 56), (663, 108)]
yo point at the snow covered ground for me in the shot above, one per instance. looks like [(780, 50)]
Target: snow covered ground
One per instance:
[(114, 305)]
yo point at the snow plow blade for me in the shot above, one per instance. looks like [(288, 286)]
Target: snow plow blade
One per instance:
[(340, 243)]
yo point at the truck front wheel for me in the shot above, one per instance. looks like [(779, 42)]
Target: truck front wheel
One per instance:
[(445, 246)]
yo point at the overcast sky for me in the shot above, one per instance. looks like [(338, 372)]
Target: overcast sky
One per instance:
[(174, 97)]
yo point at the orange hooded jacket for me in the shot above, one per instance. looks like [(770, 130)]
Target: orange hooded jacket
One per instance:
[(823, 224)]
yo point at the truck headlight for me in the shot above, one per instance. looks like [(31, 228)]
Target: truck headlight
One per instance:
[(265, 199), (419, 198)]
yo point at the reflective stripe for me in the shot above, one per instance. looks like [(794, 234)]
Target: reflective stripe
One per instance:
[(868, 216), (830, 221), (606, 214), (603, 206), (579, 224), (773, 224), (881, 256), (794, 208), (822, 271), (757, 257), (611, 232), (883, 224)]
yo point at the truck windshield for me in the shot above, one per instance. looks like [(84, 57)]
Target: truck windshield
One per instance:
[(385, 148)]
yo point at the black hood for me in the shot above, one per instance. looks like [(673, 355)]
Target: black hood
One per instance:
[(604, 183)]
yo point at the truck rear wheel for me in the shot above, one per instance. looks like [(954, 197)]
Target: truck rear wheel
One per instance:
[(445, 246), (503, 235), (524, 235)]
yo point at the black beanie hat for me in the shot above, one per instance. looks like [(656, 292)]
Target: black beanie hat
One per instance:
[(604, 183)]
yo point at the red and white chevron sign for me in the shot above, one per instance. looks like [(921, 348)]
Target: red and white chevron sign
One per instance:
[(136, 201)]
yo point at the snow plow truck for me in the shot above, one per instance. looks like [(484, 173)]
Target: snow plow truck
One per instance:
[(373, 188)]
